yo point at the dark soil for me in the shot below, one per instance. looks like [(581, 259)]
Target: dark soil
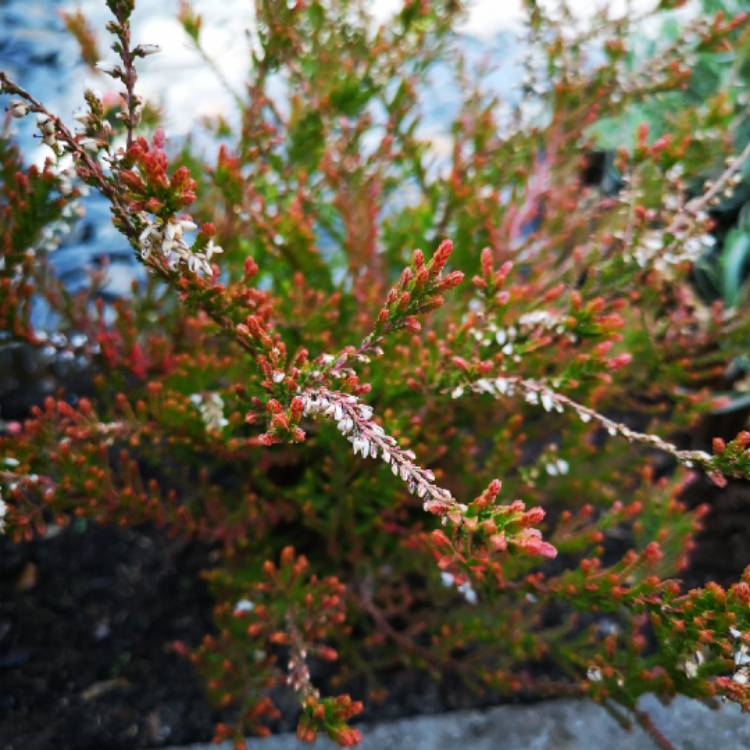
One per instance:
[(86, 623)]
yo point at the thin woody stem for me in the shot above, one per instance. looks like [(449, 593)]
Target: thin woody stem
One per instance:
[(691, 210), (8, 86), (652, 730), (702, 202), (298, 676), (536, 392), (129, 79)]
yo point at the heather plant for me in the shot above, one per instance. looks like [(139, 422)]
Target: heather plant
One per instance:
[(467, 459)]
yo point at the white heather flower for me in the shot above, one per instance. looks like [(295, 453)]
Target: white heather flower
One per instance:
[(563, 466), (278, 377), (504, 387), (742, 656), (538, 318), (168, 240), (3, 513), (212, 249), (594, 674), (361, 445), (211, 408), (197, 263), (186, 225), (690, 668), (47, 126), (457, 392), (484, 386), (467, 591), (144, 50), (548, 402), (691, 665), (244, 605), (741, 677), (353, 420), (18, 109), (734, 632)]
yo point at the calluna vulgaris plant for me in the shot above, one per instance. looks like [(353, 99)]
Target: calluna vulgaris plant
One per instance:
[(350, 420)]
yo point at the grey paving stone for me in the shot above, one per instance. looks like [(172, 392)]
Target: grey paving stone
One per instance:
[(551, 725)]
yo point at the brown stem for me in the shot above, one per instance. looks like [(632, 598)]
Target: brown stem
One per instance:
[(652, 730)]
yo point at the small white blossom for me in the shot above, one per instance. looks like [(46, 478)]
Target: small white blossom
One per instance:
[(211, 408), (244, 605), (543, 318), (741, 677), (169, 240), (594, 674), (447, 579), (18, 109), (467, 591), (692, 664), (742, 656)]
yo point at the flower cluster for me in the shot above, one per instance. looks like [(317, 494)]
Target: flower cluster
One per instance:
[(168, 240), (211, 408), (354, 420)]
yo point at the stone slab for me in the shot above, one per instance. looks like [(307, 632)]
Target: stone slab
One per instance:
[(550, 725)]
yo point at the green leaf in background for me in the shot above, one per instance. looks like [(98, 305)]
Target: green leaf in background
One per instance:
[(733, 262)]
